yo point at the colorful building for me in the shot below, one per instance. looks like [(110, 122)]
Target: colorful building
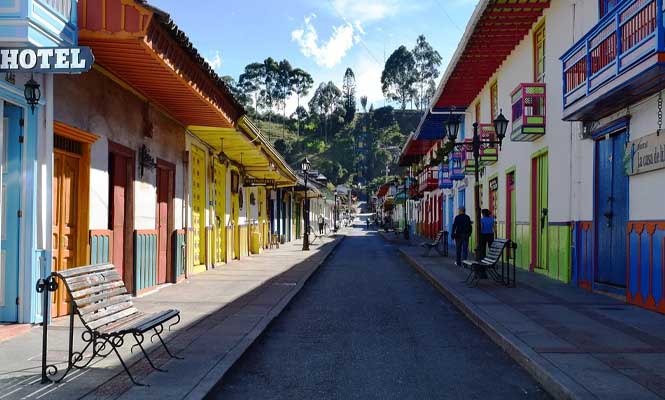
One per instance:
[(25, 159), (575, 183)]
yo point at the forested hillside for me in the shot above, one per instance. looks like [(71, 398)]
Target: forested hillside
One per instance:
[(345, 137)]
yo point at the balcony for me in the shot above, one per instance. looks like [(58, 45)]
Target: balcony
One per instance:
[(457, 165), (428, 180), (528, 117), (43, 23), (489, 154), (445, 181), (616, 63)]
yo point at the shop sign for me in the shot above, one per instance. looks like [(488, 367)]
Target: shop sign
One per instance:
[(645, 154), (494, 184), (55, 60)]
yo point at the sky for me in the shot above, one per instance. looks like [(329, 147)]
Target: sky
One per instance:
[(323, 37)]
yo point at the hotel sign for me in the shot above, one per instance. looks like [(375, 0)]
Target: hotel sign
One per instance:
[(645, 154), (55, 60)]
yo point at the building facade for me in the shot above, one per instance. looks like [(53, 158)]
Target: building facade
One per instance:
[(574, 183), (146, 161), (25, 159)]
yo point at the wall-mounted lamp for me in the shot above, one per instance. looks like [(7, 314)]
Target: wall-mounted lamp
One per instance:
[(32, 93), (146, 161)]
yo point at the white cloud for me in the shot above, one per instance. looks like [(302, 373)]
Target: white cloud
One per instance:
[(330, 53), (215, 62), (368, 81), (366, 10)]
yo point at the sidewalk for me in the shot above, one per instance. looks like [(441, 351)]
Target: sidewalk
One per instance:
[(577, 344), (223, 311)]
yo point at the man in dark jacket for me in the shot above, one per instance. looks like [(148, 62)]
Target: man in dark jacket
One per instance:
[(462, 229)]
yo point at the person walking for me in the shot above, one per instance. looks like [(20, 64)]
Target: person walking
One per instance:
[(321, 222), (486, 232), (462, 229)]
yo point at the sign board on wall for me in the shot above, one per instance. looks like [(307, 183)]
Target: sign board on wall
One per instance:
[(645, 154), (55, 60)]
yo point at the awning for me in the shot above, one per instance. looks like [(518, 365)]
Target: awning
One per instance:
[(414, 149), (432, 124), (494, 30), (142, 47), (248, 148)]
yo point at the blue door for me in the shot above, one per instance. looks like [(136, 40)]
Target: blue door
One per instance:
[(611, 210), (9, 204)]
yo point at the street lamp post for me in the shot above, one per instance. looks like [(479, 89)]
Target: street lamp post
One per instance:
[(305, 170), (452, 127)]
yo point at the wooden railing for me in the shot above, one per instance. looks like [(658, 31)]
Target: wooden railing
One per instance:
[(620, 40), (62, 7)]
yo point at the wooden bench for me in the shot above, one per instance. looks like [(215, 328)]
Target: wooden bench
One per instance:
[(487, 267), (442, 236), (100, 299)]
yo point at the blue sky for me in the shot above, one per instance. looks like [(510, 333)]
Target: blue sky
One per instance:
[(323, 37)]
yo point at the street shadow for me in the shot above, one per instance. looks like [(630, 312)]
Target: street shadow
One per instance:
[(105, 378)]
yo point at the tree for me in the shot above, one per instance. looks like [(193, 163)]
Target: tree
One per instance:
[(237, 92), (427, 60), (251, 82), (349, 94), (302, 83), (284, 87), (325, 102), (399, 76), (363, 103)]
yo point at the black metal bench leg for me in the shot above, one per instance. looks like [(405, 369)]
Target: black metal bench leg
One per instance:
[(139, 342), (157, 333), (115, 346)]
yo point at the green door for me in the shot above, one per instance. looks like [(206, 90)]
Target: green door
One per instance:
[(539, 212)]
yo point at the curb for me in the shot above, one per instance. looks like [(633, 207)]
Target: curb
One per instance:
[(552, 379), (208, 382)]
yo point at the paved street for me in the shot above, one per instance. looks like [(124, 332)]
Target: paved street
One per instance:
[(367, 325)]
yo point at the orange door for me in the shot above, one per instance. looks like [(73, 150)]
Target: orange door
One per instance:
[(164, 196), (65, 220)]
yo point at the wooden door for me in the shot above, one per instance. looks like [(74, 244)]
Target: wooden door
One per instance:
[(198, 206), (539, 212), (121, 211), (235, 217), (220, 213), (611, 211), (66, 170), (165, 177), (10, 201)]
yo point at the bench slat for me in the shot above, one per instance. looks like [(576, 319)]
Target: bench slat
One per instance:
[(109, 274), (111, 318), (94, 280), (83, 302), (104, 302), (108, 312), (72, 272), (94, 290)]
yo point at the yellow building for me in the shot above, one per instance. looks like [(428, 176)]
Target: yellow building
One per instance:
[(230, 173)]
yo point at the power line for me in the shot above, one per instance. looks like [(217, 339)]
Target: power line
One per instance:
[(452, 21)]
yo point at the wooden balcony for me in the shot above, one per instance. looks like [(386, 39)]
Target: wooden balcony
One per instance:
[(428, 180), (42, 23), (445, 181), (457, 165), (528, 112), (489, 154), (617, 63)]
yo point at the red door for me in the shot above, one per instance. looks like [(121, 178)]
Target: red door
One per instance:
[(164, 221), (121, 215)]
